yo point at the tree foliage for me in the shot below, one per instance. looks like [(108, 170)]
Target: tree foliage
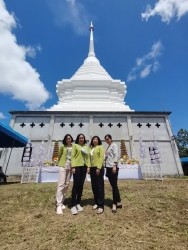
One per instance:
[(182, 142)]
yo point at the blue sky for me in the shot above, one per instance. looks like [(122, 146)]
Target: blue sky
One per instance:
[(144, 43)]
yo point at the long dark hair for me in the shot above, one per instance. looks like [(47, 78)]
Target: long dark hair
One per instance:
[(77, 139), (99, 141), (65, 139)]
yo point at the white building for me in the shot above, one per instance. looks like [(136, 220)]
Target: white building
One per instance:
[(92, 103)]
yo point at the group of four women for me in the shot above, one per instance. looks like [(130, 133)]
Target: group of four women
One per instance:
[(78, 159)]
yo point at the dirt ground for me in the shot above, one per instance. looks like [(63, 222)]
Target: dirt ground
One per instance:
[(154, 216)]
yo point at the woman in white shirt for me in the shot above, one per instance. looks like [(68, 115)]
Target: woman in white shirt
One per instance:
[(111, 164)]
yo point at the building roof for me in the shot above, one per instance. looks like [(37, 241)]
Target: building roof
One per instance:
[(45, 112)]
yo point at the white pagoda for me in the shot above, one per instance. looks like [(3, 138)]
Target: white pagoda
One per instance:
[(91, 88)]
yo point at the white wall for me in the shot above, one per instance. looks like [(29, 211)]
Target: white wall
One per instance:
[(129, 131)]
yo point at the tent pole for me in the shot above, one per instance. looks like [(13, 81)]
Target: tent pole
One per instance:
[(8, 160), (9, 156), (5, 156)]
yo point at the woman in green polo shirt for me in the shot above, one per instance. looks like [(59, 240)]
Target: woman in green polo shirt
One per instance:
[(97, 173), (79, 163), (64, 159)]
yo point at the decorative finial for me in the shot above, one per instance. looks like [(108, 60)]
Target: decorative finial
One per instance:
[(91, 45), (91, 28)]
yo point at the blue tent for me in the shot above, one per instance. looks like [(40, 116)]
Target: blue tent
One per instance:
[(184, 160), (9, 138)]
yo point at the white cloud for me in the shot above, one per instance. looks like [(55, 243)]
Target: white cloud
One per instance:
[(156, 66), (167, 9), (32, 51), (146, 71), (2, 116), (146, 64), (155, 50), (70, 12), (17, 77)]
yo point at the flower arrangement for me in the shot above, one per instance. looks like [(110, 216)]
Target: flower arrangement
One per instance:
[(126, 160), (54, 162), (132, 161), (124, 155), (55, 151)]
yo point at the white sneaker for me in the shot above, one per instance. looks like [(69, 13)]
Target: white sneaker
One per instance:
[(63, 206), (79, 208), (95, 207), (59, 210), (100, 210), (74, 210)]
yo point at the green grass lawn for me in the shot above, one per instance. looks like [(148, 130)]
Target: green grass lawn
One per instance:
[(154, 216)]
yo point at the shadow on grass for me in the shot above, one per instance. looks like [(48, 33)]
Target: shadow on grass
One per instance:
[(8, 183), (86, 202)]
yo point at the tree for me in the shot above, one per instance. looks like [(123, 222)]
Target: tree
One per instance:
[(182, 142)]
